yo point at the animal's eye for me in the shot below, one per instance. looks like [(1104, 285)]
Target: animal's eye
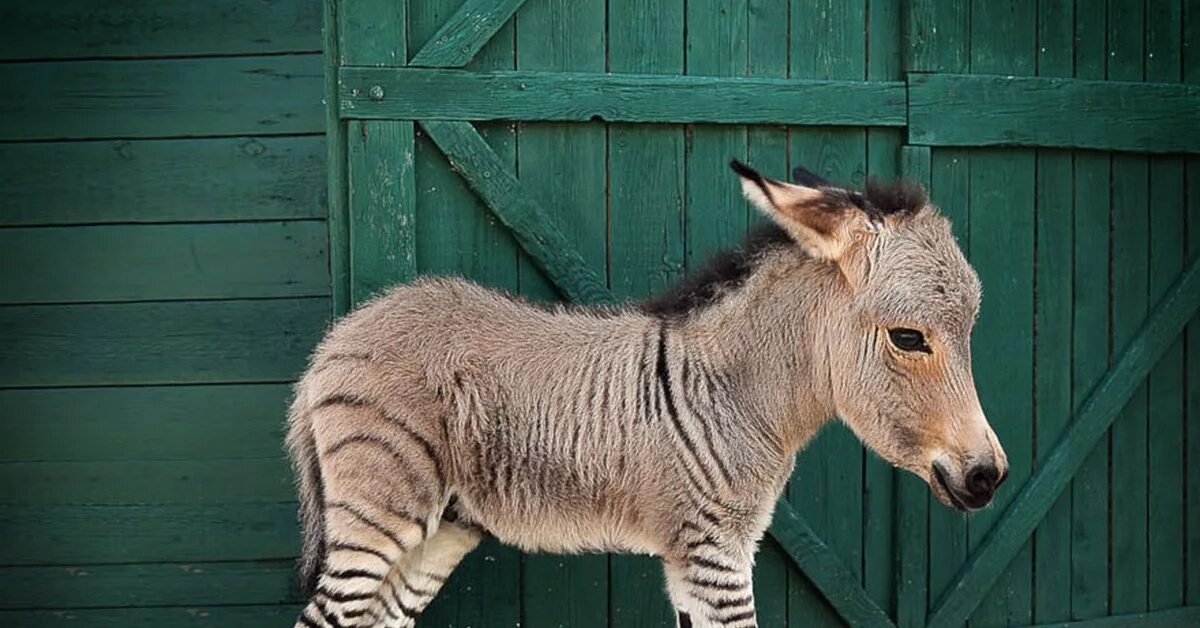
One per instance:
[(908, 340)]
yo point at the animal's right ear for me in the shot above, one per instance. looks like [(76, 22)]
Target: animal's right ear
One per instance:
[(821, 219)]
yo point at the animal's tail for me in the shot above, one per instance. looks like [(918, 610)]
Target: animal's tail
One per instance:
[(303, 450)]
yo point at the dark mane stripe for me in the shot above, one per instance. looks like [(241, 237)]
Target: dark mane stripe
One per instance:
[(900, 197), (725, 271)]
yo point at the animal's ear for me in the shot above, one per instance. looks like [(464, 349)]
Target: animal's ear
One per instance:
[(819, 218)]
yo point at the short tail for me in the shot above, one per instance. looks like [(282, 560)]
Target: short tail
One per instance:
[(303, 450)]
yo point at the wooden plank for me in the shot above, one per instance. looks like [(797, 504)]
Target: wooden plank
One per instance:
[(155, 584), (646, 232), (164, 617), (337, 189), (1190, 72), (371, 32), (144, 181), (1103, 404), (382, 206), (508, 200), (563, 166), (620, 97), (145, 28), (937, 40), (213, 481), (837, 582), (766, 148), (158, 343), (1166, 429), (1090, 339), (144, 262), (961, 110), (912, 494), (1053, 311), (1185, 617), (126, 422), (81, 535), (465, 32), (163, 98)]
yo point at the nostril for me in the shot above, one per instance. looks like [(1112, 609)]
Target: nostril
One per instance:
[(1003, 477), (981, 480)]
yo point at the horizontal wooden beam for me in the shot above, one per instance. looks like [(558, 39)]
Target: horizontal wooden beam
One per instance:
[(977, 110), (495, 183), (434, 94), (463, 34), (825, 569), (1095, 416), (1183, 617)]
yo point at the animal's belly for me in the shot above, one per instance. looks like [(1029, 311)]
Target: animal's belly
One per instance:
[(558, 535)]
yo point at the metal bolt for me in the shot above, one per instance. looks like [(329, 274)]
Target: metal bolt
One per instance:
[(376, 92)]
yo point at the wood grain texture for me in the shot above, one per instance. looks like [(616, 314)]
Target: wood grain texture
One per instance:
[(624, 97), (255, 616), (82, 535), (1095, 415), (465, 33), (161, 98), (961, 110), (1186, 617), (158, 343), (147, 181), (132, 422), (335, 154), (382, 206), (145, 262), (152, 584), (145, 28)]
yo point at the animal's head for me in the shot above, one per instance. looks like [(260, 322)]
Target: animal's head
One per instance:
[(899, 336)]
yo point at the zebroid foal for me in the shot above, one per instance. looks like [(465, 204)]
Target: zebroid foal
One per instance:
[(442, 411)]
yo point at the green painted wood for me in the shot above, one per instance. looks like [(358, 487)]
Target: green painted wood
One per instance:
[(143, 262), (143, 28), (214, 481), (1102, 406), (129, 422), (1053, 300), (143, 181), (619, 97), (1184, 617), (562, 35), (161, 98), (1129, 280), (1192, 409), (961, 110), (158, 343), (82, 535), (337, 188), (382, 206), (912, 494), (1090, 339), (836, 581), (154, 584), (371, 32), (465, 32), (936, 40), (167, 617), (486, 173), (458, 234), (1003, 232), (646, 233)]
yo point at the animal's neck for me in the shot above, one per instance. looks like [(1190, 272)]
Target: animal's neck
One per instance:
[(771, 339)]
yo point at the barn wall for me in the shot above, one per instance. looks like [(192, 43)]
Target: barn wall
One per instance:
[(163, 247)]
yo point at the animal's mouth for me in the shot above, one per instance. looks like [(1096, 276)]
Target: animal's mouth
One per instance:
[(945, 486)]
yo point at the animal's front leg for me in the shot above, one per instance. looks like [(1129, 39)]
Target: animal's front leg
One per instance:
[(712, 590)]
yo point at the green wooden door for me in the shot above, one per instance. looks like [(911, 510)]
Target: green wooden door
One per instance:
[(578, 150)]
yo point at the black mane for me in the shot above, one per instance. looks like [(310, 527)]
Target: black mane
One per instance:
[(900, 197), (723, 272)]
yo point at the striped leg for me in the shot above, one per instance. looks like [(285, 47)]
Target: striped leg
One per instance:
[(712, 591), (412, 584)]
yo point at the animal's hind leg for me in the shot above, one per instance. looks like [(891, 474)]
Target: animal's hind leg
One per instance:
[(416, 579), (383, 493)]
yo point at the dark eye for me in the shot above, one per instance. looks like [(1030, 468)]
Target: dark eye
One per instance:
[(908, 340)]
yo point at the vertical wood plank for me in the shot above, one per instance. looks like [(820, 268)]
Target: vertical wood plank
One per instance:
[(766, 150), (1090, 340), (564, 166), (459, 235), (1004, 40), (646, 191), (1165, 412), (912, 494), (829, 43), (1053, 306), (1130, 284), (1191, 74), (937, 36), (335, 143)]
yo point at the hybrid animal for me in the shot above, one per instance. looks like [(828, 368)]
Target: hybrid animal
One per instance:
[(442, 410)]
